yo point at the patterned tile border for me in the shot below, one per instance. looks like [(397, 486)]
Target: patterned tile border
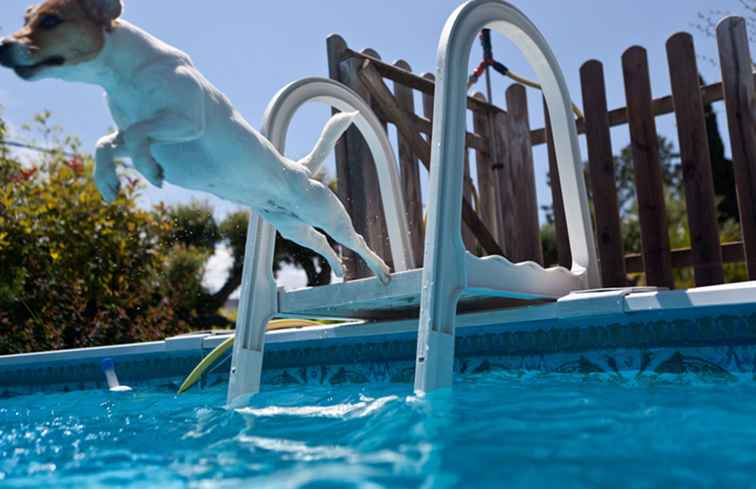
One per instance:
[(708, 347)]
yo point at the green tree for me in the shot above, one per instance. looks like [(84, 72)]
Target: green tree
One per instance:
[(722, 170)]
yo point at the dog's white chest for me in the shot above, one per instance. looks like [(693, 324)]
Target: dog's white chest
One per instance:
[(129, 107)]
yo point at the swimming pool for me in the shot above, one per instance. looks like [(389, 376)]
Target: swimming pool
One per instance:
[(653, 385), (493, 430)]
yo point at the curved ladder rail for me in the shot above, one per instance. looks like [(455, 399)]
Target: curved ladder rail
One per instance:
[(449, 269), (259, 300)]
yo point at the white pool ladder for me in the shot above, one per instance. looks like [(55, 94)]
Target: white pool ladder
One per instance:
[(451, 276), (447, 265)]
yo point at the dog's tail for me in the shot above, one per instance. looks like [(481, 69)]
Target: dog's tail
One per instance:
[(332, 131)]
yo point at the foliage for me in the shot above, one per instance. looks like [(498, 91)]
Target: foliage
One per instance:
[(706, 21), (194, 226), (722, 169), (75, 271)]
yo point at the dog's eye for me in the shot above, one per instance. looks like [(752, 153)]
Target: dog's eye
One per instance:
[(50, 21)]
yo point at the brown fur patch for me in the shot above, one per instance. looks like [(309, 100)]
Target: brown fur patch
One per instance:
[(79, 38)]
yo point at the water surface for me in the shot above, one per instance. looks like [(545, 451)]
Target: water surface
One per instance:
[(492, 430)]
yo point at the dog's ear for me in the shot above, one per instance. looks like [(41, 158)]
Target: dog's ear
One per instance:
[(103, 11)]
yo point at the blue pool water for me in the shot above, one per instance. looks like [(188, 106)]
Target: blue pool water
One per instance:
[(493, 430)]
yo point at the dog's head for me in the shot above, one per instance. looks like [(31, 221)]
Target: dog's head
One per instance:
[(58, 34)]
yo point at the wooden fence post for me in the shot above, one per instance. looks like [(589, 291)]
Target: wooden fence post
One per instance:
[(740, 101), (357, 177), (696, 160), (505, 193), (527, 246), (603, 184), (560, 221), (487, 207), (410, 172), (648, 171)]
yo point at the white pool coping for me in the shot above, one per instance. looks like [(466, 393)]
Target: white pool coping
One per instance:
[(611, 302)]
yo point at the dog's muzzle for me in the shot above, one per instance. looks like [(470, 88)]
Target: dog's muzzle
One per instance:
[(6, 47)]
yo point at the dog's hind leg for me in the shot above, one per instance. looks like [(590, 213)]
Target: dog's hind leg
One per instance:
[(324, 210), (305, 235)]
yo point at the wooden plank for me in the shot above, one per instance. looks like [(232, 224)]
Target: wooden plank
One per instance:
[(428, 101), (527, 246), (472, 140), (336, 47), (505, 193), (560, 221), (357, 177), (696, 161), (425, 86), (603, 183), (390, 111), (618, 117), (410, 173), (648, 170), (683, 257), (377, 236), (487, 208), (411, 80), (740, 101)]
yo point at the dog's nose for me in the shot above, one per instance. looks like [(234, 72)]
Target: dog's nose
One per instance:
[(5, 51)]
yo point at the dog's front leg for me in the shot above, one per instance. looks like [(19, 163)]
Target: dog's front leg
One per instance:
[(106, 178), (165, 128)]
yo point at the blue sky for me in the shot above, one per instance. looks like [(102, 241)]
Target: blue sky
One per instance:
[(251, 49)]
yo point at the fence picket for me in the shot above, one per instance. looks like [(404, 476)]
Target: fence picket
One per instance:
[(357, 177), (648, 171), (603, 183), (527, 246), (410, 172), (740, 101), (696, 160), (487, 207), (560, 221)]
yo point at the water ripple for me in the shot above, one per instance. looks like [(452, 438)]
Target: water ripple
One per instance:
[(492, 430)]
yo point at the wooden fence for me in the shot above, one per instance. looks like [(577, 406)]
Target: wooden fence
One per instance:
[(500, 209)]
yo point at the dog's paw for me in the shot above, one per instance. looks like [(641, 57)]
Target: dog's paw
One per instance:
[(337, 267), (383, 273), (107, 184)]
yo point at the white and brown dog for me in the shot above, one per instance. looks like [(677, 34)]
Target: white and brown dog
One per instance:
[(175, 125)]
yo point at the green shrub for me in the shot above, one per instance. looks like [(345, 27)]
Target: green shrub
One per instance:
[(75, 271)]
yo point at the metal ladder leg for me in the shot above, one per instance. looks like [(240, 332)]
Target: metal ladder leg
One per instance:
[(257, 305)]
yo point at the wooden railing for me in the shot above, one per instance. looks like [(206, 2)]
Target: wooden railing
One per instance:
[(500, 209)]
